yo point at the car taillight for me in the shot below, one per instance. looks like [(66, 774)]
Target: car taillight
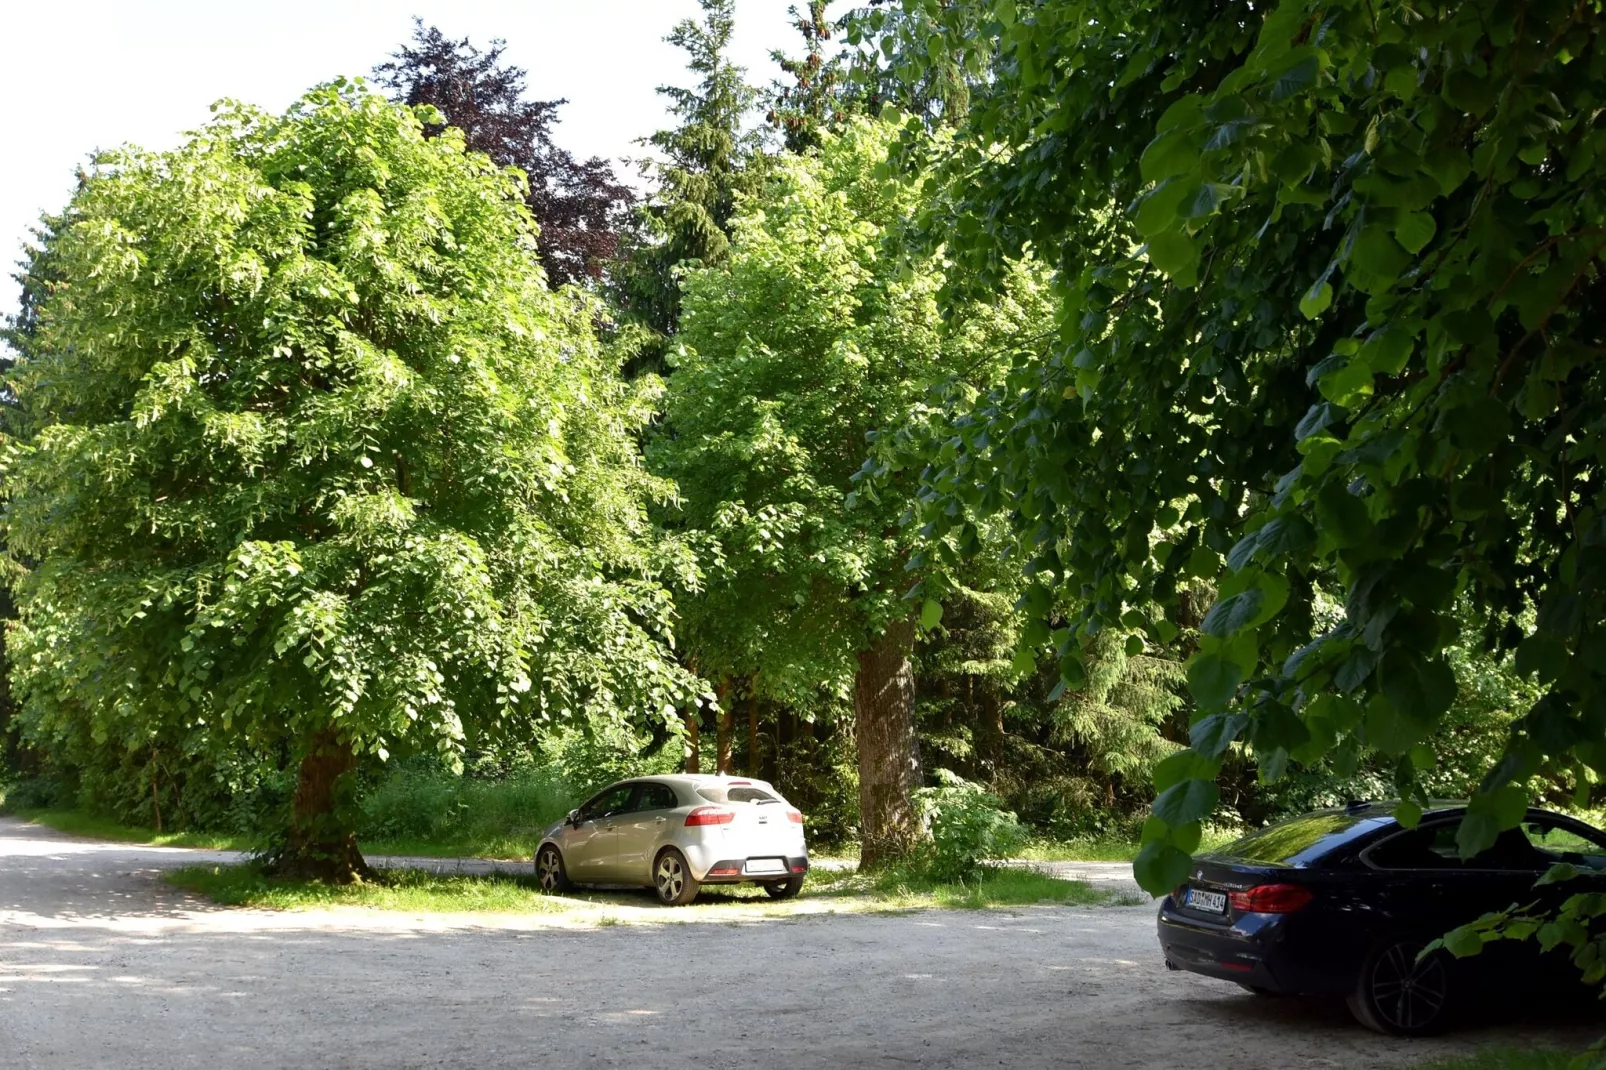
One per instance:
[(1271, 899), (710, 815), (795, 816)]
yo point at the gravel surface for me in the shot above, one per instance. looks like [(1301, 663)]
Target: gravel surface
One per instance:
[(103, 965)]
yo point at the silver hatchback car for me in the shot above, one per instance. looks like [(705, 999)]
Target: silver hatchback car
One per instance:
[(675, 834)]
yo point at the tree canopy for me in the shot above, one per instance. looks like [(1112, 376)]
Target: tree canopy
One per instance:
[(1329, 323), (308, 457), (812, 336)]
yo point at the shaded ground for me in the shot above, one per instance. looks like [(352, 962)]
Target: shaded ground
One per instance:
[(103, 965)]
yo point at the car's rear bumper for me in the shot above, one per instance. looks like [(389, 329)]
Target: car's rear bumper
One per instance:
[(735, 870), (1206, 949), (1257, 950)]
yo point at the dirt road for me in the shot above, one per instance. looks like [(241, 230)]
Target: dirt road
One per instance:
[(103, 965)]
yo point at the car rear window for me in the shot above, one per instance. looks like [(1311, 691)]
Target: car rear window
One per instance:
[(737, 794), (1301, 840)]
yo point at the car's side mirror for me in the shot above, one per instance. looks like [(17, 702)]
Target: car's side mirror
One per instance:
[(573, 818)]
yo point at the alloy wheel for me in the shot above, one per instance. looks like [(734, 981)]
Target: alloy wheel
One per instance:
[(1407, 992), (549, 870), (671, 877)]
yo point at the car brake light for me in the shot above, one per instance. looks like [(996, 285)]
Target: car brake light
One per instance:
[(795, 816), (1271, 899), (739, 783), (710, 815)]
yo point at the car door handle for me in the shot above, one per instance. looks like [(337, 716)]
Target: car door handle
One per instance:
[(661, 820)]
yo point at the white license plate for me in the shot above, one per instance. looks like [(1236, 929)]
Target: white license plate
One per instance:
[(1210, 902), (764, 865)]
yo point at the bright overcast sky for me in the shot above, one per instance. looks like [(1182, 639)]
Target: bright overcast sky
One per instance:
[(85, 74)]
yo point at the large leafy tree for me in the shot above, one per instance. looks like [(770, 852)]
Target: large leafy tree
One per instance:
[(310, 461), (809, 339), (579, 205), (1331, 297), (702, 165)]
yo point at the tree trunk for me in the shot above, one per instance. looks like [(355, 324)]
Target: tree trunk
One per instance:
[(989, 706), (754, 758), (723, 730), (322, 844), (889, 753), (694, 758)]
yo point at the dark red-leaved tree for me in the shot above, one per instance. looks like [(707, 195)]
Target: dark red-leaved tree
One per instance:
[(580, 205)]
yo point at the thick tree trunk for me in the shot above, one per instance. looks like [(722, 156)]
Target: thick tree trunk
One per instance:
[(889, 754), (723, 730), (694, 757), (322, 844)]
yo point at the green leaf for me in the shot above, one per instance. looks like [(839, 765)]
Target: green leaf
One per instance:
[(1173, 769), (1213, 680), (1463, 941), (1342, 517), (1160, 867), (1173, 153), (1415, 230), (930, 614), (1189, 800), (1347, 385), (1298, 76), (1174, 253), (1408, 814), (1378, 254), (1317, 299), (1157, 212), (1211, 735)]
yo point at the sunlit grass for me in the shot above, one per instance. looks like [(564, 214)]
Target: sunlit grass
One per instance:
[(78, 823), (905, 889), (401, 889), (421, 892), (1110, 850)]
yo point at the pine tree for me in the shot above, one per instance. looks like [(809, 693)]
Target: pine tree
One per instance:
[(705, 164), (807, 107)]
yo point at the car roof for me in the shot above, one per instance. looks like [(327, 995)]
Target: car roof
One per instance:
[(696, 780)]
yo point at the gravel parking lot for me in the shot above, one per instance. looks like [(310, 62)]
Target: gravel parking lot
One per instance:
[(103, 965)]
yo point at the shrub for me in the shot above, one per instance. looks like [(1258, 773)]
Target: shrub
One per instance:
[(969, 828)]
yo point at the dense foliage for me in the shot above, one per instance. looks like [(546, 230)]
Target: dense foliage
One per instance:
[(808, 339), (1329, 323), (308, 460), (1066, 345)]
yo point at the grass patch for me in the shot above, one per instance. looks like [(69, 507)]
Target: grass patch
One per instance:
[(909, 890), (404, 889), (1505, 1059), (416, 891), (1111, 850), (78, 823)]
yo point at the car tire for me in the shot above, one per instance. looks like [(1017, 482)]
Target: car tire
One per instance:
[(672, 879), (550, 873), (1400, 996), (786, 889)]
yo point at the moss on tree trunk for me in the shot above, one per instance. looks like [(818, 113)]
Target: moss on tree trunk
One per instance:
[(889, 753)]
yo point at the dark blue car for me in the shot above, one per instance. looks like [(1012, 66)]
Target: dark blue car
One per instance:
[(1341, 903)]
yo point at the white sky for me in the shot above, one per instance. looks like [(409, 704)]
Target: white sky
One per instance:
[(79, 75)]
